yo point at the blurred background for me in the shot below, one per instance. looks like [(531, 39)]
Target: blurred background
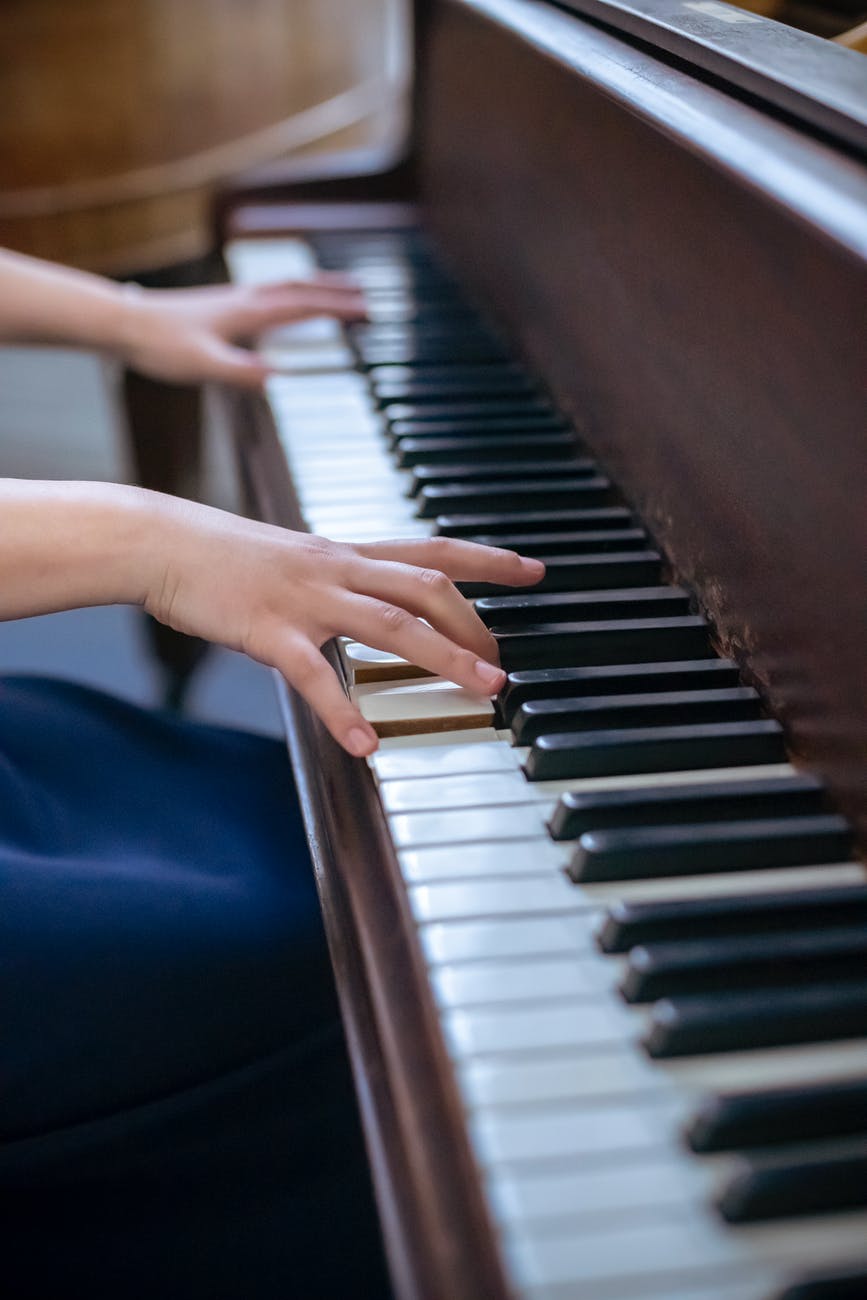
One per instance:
[(123, 120)]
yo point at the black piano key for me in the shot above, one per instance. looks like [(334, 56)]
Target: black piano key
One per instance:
[(775, 1115), (507, 447), (629, 924), (663, 970), (653, 749), (525, 427), (657, 709), (568, 543), (777, 1189), (644, 852), (503, 471), (661, 805), (740, 1022), (469, 409), (842, 1284), (501, 388), (536, 521), (589, 491), (502, 612), (607, 641), (583, 573), (616, 679)]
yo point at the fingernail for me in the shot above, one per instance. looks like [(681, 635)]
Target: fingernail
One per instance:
[(360, 742), (535, 568), (491, 676)]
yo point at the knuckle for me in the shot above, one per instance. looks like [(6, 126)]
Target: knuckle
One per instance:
[(307, 666), (394, 619), (435, 580), (442, 549)]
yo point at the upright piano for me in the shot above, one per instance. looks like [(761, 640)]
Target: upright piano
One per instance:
[(601, 943)]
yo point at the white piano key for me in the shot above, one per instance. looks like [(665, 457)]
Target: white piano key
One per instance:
[(469, 790), (471, 861), (624, 1069), (482, 983), (676, 1246), (460, 900), (429, 704), (468, 826), (488, 940), (261, 261), (330, 358), (592, 1189), (757, 1286), (469, 736), (558, 1132), (486, 1030), (434, 760), (365, 664), (774, 1067), (615, 1072)]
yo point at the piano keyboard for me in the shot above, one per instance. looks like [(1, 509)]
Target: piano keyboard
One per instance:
[(643, 927)]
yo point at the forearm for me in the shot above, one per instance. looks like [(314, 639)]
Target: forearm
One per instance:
[(67, 545), (45, 303)]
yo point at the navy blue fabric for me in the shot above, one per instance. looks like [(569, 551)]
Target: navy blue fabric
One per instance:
[(176, 1112)]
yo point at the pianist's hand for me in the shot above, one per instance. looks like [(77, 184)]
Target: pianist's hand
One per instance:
[(279, 596), (184, 335), (192, 335)]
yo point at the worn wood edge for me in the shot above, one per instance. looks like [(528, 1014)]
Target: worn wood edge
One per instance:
[(790, 69), (767, 155), (439, 1238)]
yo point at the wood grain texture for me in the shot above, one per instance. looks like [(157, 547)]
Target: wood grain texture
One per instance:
[(689, 282)]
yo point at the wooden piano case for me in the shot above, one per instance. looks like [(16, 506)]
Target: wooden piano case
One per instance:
[(687, 270)]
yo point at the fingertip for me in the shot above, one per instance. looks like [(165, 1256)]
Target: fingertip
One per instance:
[(491, 678), (532, 569), (361, 741)]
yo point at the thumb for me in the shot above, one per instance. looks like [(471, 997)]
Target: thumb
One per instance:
[(233, 365)]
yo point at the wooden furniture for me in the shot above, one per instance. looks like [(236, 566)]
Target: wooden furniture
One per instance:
[(684, 263)]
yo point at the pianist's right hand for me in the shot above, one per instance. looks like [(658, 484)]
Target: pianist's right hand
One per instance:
[(274, 594)]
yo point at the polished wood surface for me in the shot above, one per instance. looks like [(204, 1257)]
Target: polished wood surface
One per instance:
[(690, 276), (122, 116)]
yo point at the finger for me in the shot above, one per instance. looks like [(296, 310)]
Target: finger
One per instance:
[(321, 279), (231, 365), (429, 594), (302, 304), (310, 674), (461, 561), (386, 626)]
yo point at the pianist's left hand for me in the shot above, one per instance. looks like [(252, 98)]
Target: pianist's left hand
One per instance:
[(182, 335)]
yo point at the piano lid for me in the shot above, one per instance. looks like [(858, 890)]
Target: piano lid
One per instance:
[(822, 84)]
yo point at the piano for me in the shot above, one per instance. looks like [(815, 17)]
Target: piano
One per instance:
[(600, 943)]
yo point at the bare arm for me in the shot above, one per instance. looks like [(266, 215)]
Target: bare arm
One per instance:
[(175, 334)]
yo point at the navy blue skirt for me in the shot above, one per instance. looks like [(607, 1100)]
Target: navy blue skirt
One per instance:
[(177, 1113)]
